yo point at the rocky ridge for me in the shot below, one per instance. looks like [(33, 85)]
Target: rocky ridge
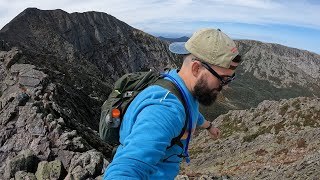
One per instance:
[(276, 140), (38, 138), (51, 91), (280, 65)]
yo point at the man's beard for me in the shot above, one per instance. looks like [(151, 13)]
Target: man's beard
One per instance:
[(204, 94)]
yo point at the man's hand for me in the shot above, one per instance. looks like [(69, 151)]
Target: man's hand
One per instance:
[(214, 133)]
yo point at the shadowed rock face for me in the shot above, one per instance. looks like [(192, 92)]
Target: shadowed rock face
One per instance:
[(109, 44), (84, 52), (56, 70)]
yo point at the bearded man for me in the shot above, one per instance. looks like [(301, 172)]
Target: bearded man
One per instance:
[(156, 116)]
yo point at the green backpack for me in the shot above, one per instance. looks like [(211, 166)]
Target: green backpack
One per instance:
[(125, 90)]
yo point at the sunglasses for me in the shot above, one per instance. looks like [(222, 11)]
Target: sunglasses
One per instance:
[(224, 80)]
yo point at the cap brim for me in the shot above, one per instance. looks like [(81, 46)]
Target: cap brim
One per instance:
[(178, 48)]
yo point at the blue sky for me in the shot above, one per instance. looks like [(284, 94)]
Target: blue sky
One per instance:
[(293, 23)]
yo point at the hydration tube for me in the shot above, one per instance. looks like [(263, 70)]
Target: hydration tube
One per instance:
[(189, 117)]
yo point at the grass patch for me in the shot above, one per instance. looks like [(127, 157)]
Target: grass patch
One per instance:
[(311, 120), (284, 109), (278, 127), (296, 104), (194, 151), (280, 139), (263, 130), (230, 126), (301, 143), (282, 151), (261, 152)]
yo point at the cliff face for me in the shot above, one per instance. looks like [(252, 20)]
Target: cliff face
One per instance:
[(283, 67), (273, 72), (110, 45), (56, 70)]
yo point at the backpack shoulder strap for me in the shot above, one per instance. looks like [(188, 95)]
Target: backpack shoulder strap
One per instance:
[(175, 90)]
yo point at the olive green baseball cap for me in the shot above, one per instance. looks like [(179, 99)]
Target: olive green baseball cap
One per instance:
[(209, 45)]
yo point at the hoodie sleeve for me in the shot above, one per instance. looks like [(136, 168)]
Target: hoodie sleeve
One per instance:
[(157, 122), (200, 120)]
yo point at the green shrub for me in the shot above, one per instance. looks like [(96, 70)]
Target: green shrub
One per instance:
[(261, 130), (230, 126)]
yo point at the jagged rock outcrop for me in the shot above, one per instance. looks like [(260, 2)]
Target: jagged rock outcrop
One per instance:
[(276, 140), (38, 136)]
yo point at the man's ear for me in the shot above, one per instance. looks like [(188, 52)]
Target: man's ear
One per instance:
[(195, 68)]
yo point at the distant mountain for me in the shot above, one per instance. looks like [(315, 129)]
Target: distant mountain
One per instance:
[(181, 39), (269, 72), (56, 70)]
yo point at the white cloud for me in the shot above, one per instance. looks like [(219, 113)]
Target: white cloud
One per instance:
[(184, 15), (298, 13)]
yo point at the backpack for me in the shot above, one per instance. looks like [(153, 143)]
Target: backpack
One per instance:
[(125, 90)]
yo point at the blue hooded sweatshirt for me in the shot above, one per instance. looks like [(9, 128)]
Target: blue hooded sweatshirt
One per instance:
[(152, 120)]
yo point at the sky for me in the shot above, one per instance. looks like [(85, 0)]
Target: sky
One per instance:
[(293, 23)]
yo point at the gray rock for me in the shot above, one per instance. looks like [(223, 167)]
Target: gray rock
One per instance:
[(78, 173), (22, 98), (99, 177), (37, 93), (11, 57), (26, 160), (50, 118), (71, 141), (36, 127), (29, 81), (65, 157), (9, 114), (21, 68), (22, 175), (41, 146), (182, 177), (50, 170), (85, 165)]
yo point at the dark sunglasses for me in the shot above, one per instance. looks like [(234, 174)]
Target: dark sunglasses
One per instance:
[(224, 81)]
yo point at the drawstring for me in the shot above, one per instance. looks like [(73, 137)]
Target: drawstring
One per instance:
[(189, 116), (179, 155)]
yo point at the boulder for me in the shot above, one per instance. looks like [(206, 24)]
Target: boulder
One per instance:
[(24, 161)]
